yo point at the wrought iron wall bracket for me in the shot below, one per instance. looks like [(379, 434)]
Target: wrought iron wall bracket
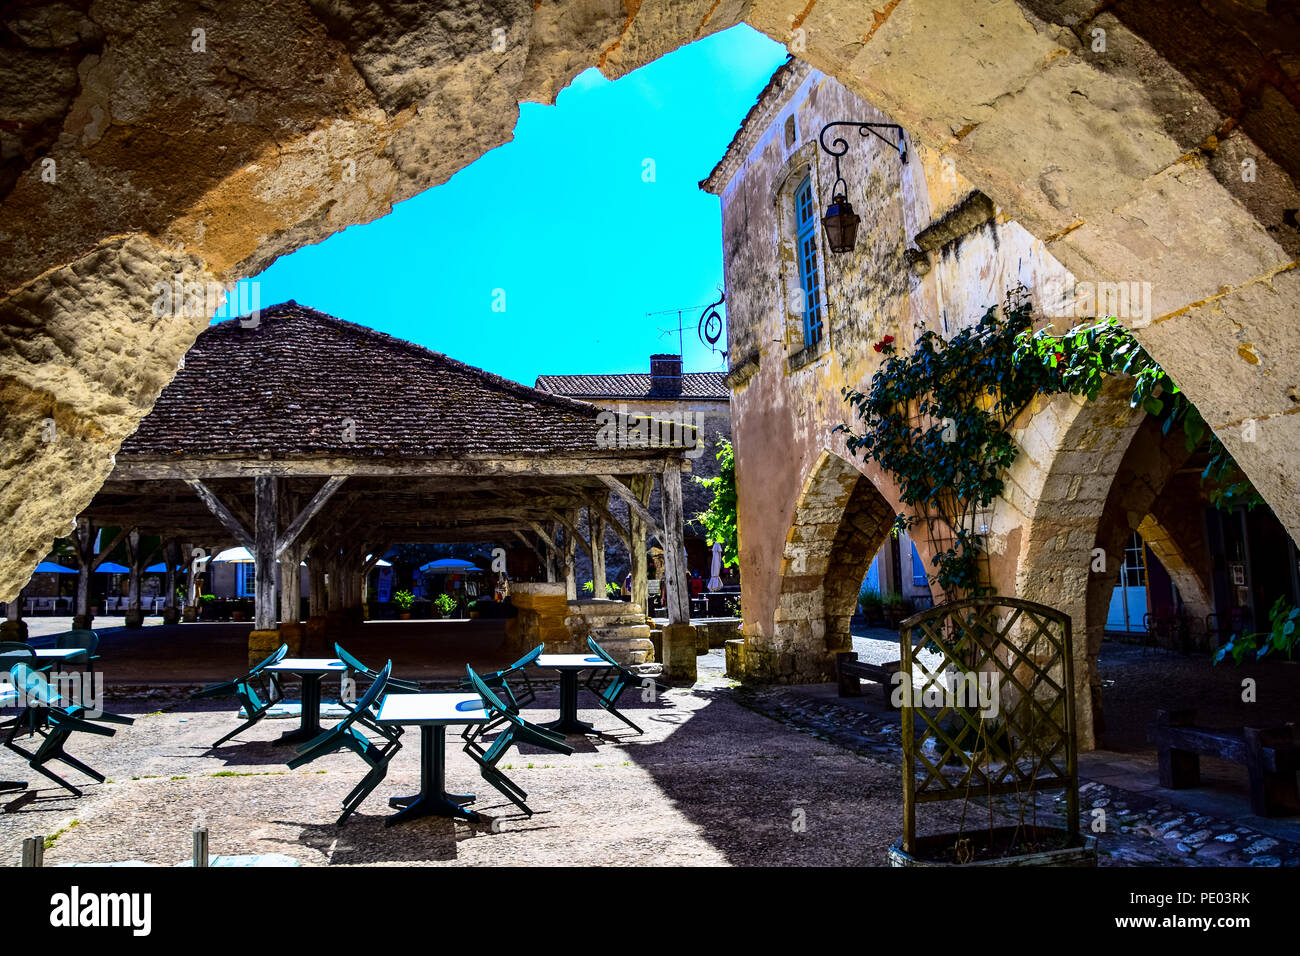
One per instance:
[(839, 146), (711, 327)]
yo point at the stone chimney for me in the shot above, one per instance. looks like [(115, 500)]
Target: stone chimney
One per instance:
[(665, 374)]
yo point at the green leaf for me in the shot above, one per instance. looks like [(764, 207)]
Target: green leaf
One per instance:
[(1153, 406)]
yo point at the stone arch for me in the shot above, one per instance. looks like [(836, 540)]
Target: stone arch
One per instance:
[(1057, 492), (1182, 566), (1136, 178), (1137, 499), (840, 521)]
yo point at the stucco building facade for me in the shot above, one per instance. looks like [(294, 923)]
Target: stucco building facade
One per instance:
[(932, 253)]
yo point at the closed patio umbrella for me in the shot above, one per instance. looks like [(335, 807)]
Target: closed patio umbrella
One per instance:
[(715, 568)]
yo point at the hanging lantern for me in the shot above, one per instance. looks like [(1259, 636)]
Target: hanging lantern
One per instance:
[(841, 224), (840, 221)]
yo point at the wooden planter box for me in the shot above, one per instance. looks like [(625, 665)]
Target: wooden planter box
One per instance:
[(928, 848)]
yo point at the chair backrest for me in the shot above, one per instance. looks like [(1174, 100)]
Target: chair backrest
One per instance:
[(352, 662), (491, 700), (15, 652), (87, 640), (375, 689), (367, 699), (528, 658), (33, 687), (275, 657), (603, 654)]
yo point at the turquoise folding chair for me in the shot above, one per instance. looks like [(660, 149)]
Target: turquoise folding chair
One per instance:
[(88, 641), (11, 653), (246, 689), (518, 731), (513, 687), (394, 686), (609, 683), (344, 736), (50, 717)]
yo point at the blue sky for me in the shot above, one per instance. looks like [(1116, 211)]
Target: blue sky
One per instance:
[(590, 218)]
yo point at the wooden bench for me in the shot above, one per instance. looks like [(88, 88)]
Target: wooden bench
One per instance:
[(1271, 757), (850, 672)]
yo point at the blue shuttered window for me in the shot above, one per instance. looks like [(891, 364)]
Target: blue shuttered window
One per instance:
[(806, 246)]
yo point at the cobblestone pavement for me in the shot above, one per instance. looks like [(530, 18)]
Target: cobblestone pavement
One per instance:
[(1140, 828)]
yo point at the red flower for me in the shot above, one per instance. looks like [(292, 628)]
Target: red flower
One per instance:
[(886, 343)]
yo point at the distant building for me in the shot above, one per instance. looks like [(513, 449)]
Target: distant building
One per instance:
[(665, 393)]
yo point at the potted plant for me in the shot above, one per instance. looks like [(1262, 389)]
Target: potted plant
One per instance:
[(444, 605), (404, 600), (895, 608), (872, 605)]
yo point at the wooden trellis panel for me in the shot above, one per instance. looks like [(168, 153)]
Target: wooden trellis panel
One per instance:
[(1026, 649)]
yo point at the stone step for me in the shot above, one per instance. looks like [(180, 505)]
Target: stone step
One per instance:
[(621, 633)]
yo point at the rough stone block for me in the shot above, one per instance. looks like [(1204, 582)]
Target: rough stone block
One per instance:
[(679, 654)]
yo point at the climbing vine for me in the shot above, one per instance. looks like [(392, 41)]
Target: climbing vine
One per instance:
[(938, 420), (719, 518)]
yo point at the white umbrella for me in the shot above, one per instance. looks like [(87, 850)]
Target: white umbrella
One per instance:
[(235, 556), (715, 569)]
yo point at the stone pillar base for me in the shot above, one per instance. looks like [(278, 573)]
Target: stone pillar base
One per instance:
[(262, 643), (295, 634), (171, 615), (82, 622), (190, 614), (747, 662), (735, 654), (679, 654), (13, 631), (134, 618)]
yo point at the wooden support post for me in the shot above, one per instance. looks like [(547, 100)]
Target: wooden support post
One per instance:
[(290, 585), (678, 636), (172, 555), (191, 582), (596, 534), (84, 540), (316, 606), (333, 583), (134, 561), (570, 560), (264, 553), (637, 551)]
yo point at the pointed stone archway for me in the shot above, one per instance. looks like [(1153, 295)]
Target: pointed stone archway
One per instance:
[(839, 523)]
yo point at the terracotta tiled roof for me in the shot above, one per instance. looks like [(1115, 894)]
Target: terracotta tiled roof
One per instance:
[(289, 385), (633, 385)]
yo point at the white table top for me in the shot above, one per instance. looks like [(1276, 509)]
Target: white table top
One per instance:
[(59, 652), (309, 665), (571, 662), (432, 709)]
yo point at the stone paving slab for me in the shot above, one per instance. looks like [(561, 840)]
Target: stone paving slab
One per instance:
[(710, 783)]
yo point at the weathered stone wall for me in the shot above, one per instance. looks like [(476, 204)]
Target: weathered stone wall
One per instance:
[(792, 462), (293, 120)]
